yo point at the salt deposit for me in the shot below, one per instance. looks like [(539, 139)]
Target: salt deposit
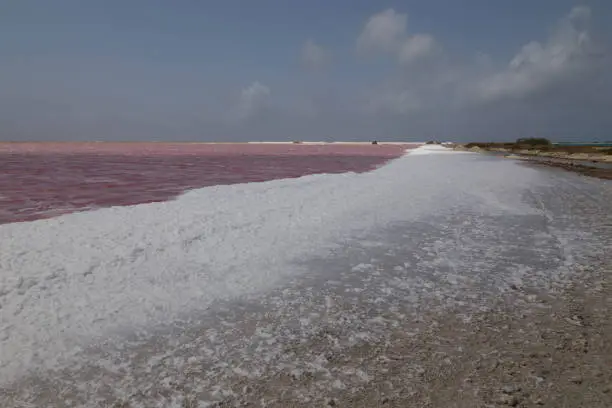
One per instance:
[(79, 278)]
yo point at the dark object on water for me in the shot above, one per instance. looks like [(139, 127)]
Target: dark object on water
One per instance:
[(374, 142)]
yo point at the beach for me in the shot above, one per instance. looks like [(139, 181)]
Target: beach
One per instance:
[(588, 160), (440, 279)]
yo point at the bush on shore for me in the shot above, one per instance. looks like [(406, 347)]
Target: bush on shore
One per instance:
[(525, 143)]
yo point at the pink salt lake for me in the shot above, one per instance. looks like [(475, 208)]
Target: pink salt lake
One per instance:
[(42, 180)]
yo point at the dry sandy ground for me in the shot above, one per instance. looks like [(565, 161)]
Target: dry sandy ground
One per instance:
[(576, 162), (530, 350), (570, 165)]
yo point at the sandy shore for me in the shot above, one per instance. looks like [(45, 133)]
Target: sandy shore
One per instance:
[(488, 303), (530, 349), (596, 163), (576, 153), (573, 165)]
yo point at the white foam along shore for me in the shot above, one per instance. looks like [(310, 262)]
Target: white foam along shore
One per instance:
[(77, 278)]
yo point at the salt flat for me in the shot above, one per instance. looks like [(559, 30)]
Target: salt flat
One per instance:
[(238, 273)]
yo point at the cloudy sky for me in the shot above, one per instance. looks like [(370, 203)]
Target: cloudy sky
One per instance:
[(312, 70)]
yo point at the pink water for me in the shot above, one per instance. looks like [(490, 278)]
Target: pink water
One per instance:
[(42, 180)]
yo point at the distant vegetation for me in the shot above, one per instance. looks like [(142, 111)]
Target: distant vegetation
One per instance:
[(522, 143), (540, 144), (534, 141)]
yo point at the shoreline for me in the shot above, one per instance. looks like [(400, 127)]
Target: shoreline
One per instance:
[(390, 149), (463, 306), (185, 142), (570, 165), (531, 348), (594, 164)]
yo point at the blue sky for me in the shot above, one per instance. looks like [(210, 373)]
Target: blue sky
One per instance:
[(312, 70)]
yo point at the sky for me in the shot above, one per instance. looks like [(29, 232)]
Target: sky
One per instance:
[(234, 70)]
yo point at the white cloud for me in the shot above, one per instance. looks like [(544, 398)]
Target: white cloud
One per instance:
[(314, 56), (384, 31), (556, 87), (580, 13), (568, 54), (557, 83), (416, 47), (387, 32), (252, 98), (568, 58)]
